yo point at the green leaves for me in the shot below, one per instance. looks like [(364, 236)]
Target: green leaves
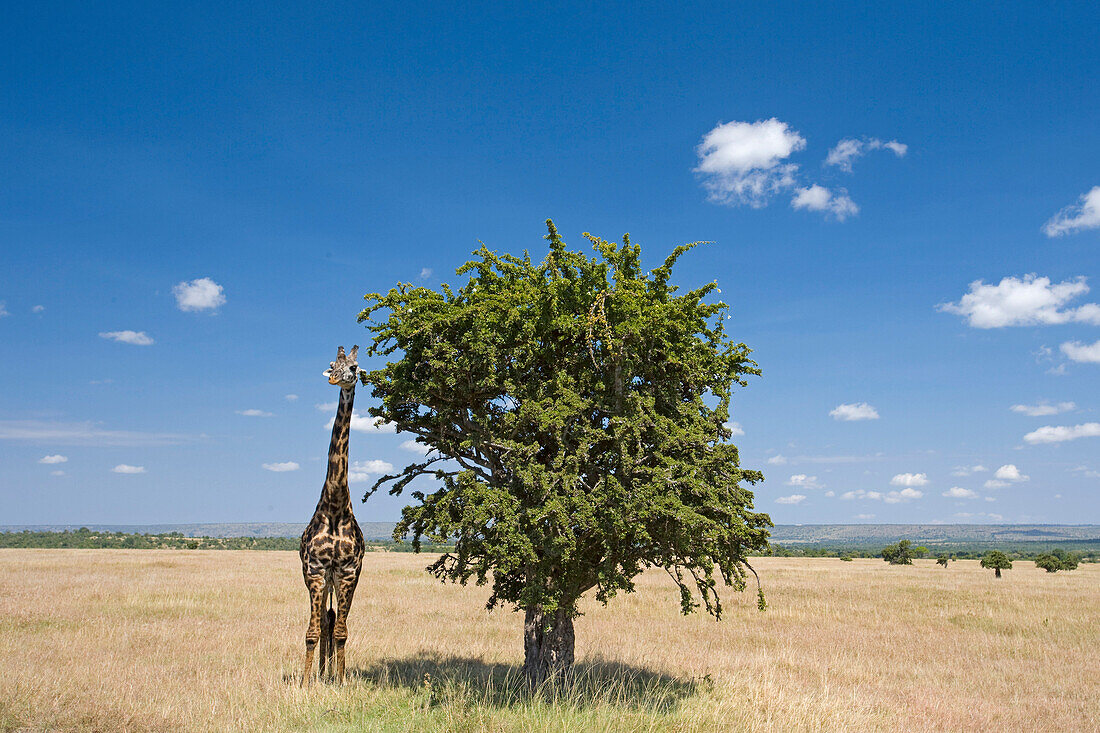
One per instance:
[(576, 410)]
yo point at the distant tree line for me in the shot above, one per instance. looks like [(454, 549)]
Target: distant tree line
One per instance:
[(86, 539), (1081, 551)]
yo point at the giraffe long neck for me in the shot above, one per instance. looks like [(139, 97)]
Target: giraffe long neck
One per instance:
[(336, 496)]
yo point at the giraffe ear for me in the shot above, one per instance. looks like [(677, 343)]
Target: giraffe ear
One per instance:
[(354, 355)]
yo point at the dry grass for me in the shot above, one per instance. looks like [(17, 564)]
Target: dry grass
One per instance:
[(106, 640)]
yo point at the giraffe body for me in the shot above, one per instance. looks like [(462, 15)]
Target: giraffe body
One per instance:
[(332, 544)]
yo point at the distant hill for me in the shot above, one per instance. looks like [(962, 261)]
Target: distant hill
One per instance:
[(783, 534)]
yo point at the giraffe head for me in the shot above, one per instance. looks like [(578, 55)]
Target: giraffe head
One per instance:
[(345, 370)]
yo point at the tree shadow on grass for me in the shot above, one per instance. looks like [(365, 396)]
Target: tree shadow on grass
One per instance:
[(440, 679)]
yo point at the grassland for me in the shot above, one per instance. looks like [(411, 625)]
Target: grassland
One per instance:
[(106, 640)]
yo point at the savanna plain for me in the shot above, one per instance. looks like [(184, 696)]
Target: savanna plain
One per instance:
[(116, 640)]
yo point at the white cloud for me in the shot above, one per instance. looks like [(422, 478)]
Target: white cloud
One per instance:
[(865, 516), (897, 497), (85, 433), (57, 473), (777, 460), (198, 295), (830, 494), (979, 515), (1030, 301), (734, 428), (995, 484), (364, 423), (425, 273), (137, 338), (53, 459), (413, 447), (290, 397), (1084, 353), (957, 492), (967, 470), (909, 479), (1062, 433), (742, 162), (819, 198), (38, 308), (854, 411), (792, 499), (326, 407), (803, 481), (125, 468), (281, 467), (848, 149), (4, 309), (1009, 472), (1044, 408), (253, 412), (892, 497), (362, 470), (1085, 214)]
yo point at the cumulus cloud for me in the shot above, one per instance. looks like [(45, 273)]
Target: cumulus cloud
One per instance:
[(854, 411), (199, 295), (281, 467), (126, 468), (743, 162), (847, 150), (38, 308), (865, 516), (830, 494), (253, 412), (1009, 472), (361, 423), (1062, 433), (413, 447), (803, 481), (1044, 408), (792, 499), (326, 407), (734, 428), (777, 460), (53, 459), (290, 397), (897, 497), (967, 470), (4, 309), (1085, 214), (891, 497), (425, 273), (957, 492), (57, 473), (137, 338), (1027, 301), (362, 470), (1083, 353), (909, 479), (818, 198)]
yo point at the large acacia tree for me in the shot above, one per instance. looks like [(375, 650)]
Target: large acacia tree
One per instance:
[(573, 412)]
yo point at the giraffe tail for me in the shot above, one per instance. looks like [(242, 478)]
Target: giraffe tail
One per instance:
[(328, 638)]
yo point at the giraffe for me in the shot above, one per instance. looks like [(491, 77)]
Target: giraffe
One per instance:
[(332, 545)]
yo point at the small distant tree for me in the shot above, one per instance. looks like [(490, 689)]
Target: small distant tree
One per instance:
[(920, 551), (996, 560), (899, 554), (1056, 560), (942, 560), (574, 416)]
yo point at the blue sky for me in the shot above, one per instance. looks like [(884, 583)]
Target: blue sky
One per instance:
[(227, 182)]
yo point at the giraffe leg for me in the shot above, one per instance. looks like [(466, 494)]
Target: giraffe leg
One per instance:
[(345, 592), (316, 586)]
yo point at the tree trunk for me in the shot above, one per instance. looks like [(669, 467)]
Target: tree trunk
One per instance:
[(548, 646), (996, 572)]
